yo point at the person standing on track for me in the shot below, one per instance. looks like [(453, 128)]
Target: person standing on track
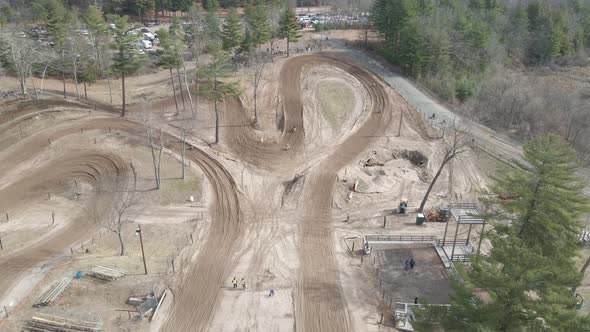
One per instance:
[(234, 281), (243, 283)]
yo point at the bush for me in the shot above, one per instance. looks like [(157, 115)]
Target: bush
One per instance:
[(465, 88)]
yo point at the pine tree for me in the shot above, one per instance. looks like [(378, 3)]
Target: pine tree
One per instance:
[(171, 58), (97, 33), (126, 60), (288, 27), (213, 29), (54, 15), (530, 271), (258, 22), (550, 201), (232, 33), (209, 86)]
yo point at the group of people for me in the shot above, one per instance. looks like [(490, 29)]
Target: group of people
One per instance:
[(410, 263), (234, 282)]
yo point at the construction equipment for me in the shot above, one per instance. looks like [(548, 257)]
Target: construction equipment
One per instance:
[(440, 215)]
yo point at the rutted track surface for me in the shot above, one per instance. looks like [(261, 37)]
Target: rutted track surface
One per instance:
[(319, 302), (92, 168), (211, 267)]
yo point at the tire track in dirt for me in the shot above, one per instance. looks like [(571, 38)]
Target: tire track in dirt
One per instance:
[(319, 301), (212, 264), (91, 167)]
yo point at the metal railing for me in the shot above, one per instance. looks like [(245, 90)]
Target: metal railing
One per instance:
[(400, 238)]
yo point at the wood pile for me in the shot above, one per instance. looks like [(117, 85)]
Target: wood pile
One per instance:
[(53, 293), (60, 321), (107, 273)]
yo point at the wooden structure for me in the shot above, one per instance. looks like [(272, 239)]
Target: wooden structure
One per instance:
[(53, 292), (62, 321), (107, 273)]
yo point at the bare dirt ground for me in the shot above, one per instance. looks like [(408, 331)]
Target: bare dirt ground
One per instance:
[(270, 202)]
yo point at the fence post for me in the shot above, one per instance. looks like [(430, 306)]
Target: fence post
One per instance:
[(6, 311), (52, 217), (353, 247), (72, 251), (192, 241), (7, 216), (173, 270), (384, 221), (1, 246)]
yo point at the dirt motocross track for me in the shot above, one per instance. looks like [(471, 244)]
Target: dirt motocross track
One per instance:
[(319, 303)]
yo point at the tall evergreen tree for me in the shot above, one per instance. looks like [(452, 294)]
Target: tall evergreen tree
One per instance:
[(126, 60), (258, 22), (54, 16), (530, 271), (171, 58), (213, 28), (97, 34), (288, 27), (232, 33), (209, 86), (546, 215)]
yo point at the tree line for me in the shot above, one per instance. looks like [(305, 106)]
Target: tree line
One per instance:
[(85, 47), (450, 44), (472, 51)]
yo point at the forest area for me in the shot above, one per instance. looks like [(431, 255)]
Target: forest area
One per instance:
[(483, 56)]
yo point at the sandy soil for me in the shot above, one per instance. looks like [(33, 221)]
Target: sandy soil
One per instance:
[(269, 202)]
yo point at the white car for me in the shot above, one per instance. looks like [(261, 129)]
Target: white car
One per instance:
[(146, 44), (149, 36)]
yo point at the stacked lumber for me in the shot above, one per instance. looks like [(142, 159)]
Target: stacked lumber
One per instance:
[(61, 321), (53, 292), (107, 273)]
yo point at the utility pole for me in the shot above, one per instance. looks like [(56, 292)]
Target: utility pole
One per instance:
[(138, 232)]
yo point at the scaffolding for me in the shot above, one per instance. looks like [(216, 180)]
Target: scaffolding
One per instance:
[(463, 214)]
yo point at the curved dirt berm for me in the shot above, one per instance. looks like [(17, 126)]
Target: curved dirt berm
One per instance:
[(93, 168), (193, 307), (320, 303)]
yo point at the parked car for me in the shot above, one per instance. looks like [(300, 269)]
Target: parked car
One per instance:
[(146, 44), (149, 36)]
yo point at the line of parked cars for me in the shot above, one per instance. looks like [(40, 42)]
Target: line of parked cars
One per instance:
[(306, 20)]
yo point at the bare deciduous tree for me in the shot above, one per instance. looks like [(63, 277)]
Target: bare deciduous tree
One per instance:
[(121, 216), (22, 54), (456, 145), (258, 76), (156, 145)]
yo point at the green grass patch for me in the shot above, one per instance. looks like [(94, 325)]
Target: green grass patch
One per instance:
[(336, 101)]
